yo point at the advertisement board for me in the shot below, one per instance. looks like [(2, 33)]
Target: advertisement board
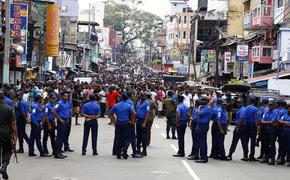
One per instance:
[(52, 30), (227, 59), (242, 52)]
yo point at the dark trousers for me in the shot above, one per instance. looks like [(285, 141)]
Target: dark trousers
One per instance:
[(141, 136), (22, 133), (133, 138), (171, 124), (180, 133), (103, 109), (269, 140), (221, 142), (67, 134), (261, 136), (5, 147), (201, 131), (279, 136), (285, 143), (194, 148), (122, 137), (237, 135), (35, 136), (60, 136), (251, 136), (93, 127), (214, 139), (149, 126), (51, 134)]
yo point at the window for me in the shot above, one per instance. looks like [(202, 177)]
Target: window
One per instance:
[(184, 35), (267, 11), (184, 20), (256, 52), (280, 3), (267, 51), (179, 20), (255, 13)]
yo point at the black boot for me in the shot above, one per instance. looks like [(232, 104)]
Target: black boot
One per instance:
[(173, 133), (3, 170), (167, 134)]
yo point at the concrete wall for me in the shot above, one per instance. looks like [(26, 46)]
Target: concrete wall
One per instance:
[(235, 17), (69, 8)]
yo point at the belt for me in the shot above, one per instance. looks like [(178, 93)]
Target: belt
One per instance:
[(123, 122)]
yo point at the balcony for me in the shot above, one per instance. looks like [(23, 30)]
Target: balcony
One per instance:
[(262, 54), (278, 15), (262, 16), (247, 21)]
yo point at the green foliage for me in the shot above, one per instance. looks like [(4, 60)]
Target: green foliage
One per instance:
[(236, 82)]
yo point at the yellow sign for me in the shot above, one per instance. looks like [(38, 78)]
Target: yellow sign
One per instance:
[(52, 30)]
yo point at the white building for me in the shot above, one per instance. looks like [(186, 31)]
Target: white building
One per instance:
[(96, 10)]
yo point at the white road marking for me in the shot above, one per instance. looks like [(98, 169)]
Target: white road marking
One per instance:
[(174, 147), (163, 135), (190, 171), (159, 172), (64, 178), (156, 125)]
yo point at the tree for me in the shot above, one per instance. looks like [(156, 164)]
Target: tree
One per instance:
[(124, 16)]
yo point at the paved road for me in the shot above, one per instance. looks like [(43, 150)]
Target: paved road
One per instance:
[(159, 165)]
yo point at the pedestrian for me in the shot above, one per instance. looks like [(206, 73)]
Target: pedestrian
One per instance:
[(91, 111), (124, 118), (112, 98), (240, 128), (153, 108), (22, 118), (170, 114), (49, 125), (8, 135), (36, 127), (182, 118), (76, 103), (160, 99), (103, 101), (62, 113), (142, 114)]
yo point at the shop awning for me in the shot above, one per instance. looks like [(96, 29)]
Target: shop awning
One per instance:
[(267, 77)]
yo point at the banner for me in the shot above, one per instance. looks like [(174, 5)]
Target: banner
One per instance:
[(227, 60), (52, 30), (204, 64), (211, 55), (19, 25), (242, 52)]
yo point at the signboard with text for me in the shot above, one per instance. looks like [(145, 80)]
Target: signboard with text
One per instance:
[(226, 61), (242, 52), (19, 25)]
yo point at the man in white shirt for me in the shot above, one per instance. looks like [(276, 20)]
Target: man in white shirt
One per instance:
[(187, 98), (103, 101)]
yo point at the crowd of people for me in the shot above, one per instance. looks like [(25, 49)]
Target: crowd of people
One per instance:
[(131, 96)]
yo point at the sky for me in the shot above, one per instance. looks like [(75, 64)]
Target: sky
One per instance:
[(158, 7)]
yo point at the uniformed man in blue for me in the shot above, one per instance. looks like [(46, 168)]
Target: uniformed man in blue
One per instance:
[(194, 155), (142, 114), (62, 113), (36, 123), (203, 118), (285, 137), (251, 113), (182, 119), (49, 125), (281, 110), (68, 125), (125, 116), (262, 109), (8, 101), (239, 130), (270, 122), (91, 111), (22, 119)]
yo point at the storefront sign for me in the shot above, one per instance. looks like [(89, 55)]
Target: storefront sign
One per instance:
[(242, 52), (227, 60), (19, 25), (52, 30), (204, 64), (211, 55)]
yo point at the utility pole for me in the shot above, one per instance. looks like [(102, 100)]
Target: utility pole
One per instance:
[(217, 57), (5, 69), (195, 46)]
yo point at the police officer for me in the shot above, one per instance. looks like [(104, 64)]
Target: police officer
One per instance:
[(8, 135), (142, 113), (222, 122), (69, 122), (285, 137), (182, 118), (269, 122), (22, 120), (49, 125), (281, 110), (194, 155), (91, 111), (36, 123), (262, 110), (239, 129), (125, 116), (203, 118), (251, 113), (62, 112), (170, 114), (215, 129)]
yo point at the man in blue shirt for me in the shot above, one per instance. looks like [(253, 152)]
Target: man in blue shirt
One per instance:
[(8, 101), (262, 109), (68, 125), (285, 137), (125, 116), (281, 110), (91, 111), (22, 120), (194, 155), (221, 117), (239, 129), (142, 113), (62, 112), (182, 119), (49, 125), (251, 113), (36, 120), (270, 122), (203, 117)]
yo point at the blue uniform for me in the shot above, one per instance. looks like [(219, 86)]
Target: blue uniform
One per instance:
[(21, 124), (221, 116), (123, 112), (130, 102), (8, 101), (46, 132), (142, 108), (36, 119), (285, 138), (182, 111), (204, 115), (251, 114), (91, 108), (132, 131), (68, 126), (62, 108)]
